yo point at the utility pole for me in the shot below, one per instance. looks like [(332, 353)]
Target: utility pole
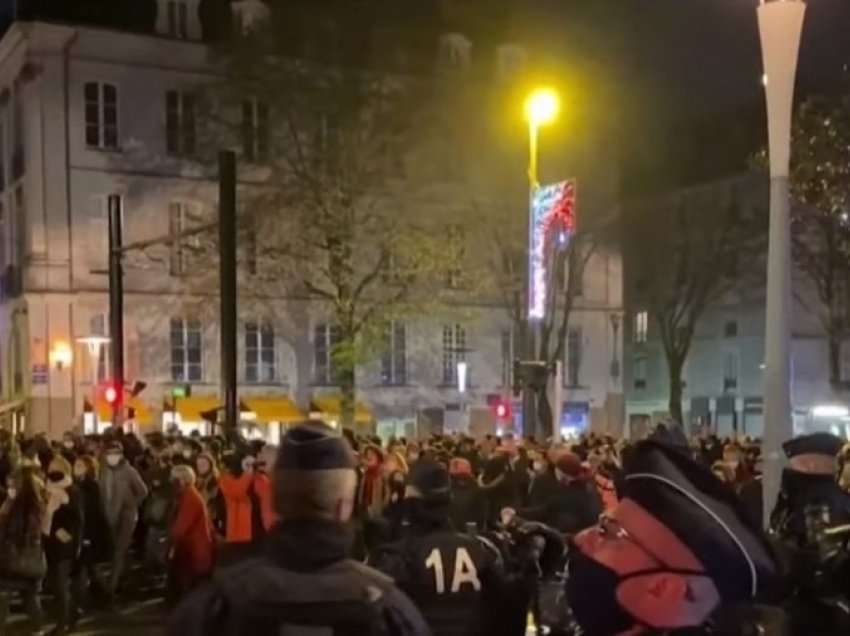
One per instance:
[(116, 303), (227, 278)]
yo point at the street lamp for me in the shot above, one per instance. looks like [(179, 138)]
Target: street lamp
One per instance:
[(541, 108), (780, 26), (94, 344)]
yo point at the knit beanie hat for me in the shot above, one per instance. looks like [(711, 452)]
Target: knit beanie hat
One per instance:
[(314, 471), (431, 481)]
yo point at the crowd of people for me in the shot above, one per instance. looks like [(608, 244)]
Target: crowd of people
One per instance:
[(429, 513)]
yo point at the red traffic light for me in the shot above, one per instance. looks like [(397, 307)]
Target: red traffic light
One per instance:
[(110, 394), (502, 410)]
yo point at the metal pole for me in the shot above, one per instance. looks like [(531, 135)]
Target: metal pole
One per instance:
[(780, 27), (227, 275), (529, 401), (116, 304)]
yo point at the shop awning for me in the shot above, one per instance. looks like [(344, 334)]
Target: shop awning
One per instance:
[(191, 409), (328, 407), (270, 409), (141, 412)]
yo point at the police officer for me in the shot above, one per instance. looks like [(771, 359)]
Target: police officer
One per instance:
[(677, 546), (453, 578), (810, 482), (304, 584)]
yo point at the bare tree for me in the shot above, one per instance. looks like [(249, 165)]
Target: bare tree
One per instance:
[(688, 252)]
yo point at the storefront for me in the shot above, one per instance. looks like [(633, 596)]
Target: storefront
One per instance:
[(267, 417), (13, 416), (328, 409), (190, 414)]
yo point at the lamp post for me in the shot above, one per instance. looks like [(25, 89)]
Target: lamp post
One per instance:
[(541, 108), (94, 344), (780, 26)]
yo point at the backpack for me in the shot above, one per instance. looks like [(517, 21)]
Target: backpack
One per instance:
[(256, 597)]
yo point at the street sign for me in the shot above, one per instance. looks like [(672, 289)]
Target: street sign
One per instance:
[(178, 391), (39, 374)]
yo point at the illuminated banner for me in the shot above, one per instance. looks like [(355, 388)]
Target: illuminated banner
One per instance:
[(553, 222)]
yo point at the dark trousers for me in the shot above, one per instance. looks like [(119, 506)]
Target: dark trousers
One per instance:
[(32, 603), (67, 595)]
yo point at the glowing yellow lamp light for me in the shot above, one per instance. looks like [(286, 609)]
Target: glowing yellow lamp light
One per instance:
[(61, 355), (542, 106)]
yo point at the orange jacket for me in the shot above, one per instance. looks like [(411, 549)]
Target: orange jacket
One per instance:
[(191, 534), (237, 504), (263, 488)]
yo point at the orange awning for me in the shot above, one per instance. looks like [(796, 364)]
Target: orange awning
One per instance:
[(268, 409)]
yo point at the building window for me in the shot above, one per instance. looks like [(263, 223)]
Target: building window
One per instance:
[(97, 324), (186, 350), (639, 372), (507, 357), (641, 326), (260, 358), (394, 358), (19, 228), (575, 345), (180, 132), (454, 351), (18, 132), (325, 340), (730, 329), (178, 19), (730, 371), (101, 115), (455, 255), (255, 130)]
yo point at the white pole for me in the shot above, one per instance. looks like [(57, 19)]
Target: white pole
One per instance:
[(780, 25)]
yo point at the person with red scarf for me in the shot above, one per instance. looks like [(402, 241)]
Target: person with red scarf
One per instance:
[(372, 493)]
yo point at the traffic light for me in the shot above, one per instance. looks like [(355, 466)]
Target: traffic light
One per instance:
[(111, 395), (501, 408)]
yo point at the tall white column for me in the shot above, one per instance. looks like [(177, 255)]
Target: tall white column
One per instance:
[(780, 25)]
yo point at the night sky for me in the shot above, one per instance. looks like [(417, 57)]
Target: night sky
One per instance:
[(705, 54)]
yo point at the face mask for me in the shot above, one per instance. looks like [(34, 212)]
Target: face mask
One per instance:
[(56, 475), (113, 460), (592, 596), (12, 493), (187, 453), (68, 444)]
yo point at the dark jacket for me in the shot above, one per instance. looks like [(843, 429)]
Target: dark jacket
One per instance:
[(64, 540), (453, 578), (468, 505), (543, 489), (97, 536), (304, 581), (573, 506), (802, 490)]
